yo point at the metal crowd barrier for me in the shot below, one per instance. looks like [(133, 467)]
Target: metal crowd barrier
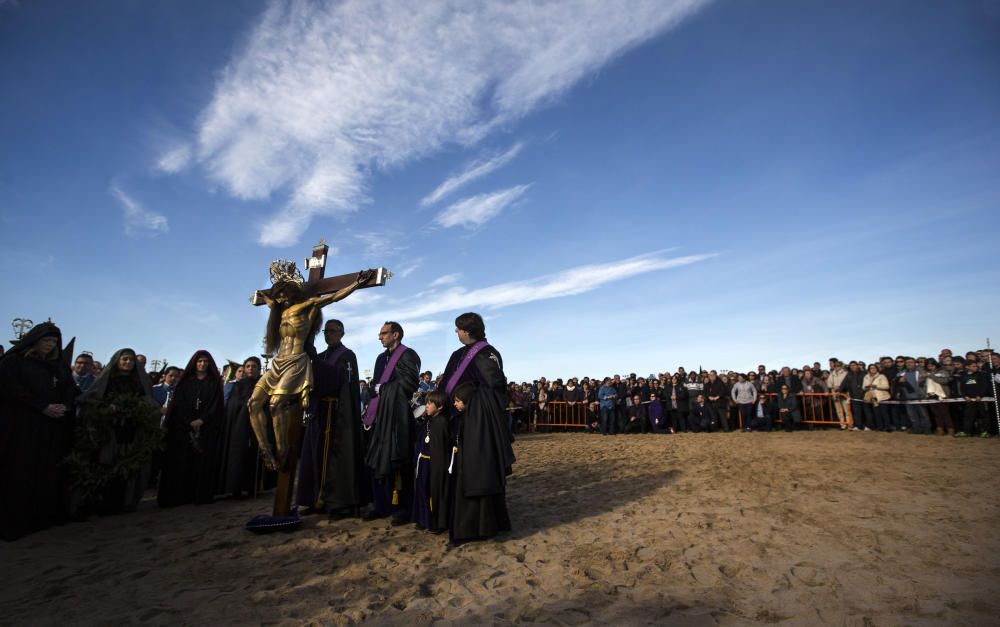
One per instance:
[(819, 408), (559, 414)]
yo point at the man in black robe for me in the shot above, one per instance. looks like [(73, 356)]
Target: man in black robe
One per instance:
[(241, 470), (389, 456), (485, 456), (331, 466), (36, 432)]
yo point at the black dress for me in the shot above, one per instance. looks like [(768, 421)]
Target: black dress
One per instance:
[(191, 460), (33, 485)]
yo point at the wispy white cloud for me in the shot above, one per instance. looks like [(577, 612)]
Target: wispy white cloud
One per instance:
[(477, 210), (571, 282), (175, 159), (422, 327), (474, 171), (447, 279), (382, 246), (322, 93), (139, 221), (410, 267)]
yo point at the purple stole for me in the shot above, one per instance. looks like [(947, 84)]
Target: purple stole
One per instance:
[(369, 418), (463, 365), (332, 358)]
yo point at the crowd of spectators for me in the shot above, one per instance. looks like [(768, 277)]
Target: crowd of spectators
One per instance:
[(946, 395), (905, 394)]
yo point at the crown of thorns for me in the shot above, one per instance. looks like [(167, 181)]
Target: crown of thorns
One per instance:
[(283, 270)]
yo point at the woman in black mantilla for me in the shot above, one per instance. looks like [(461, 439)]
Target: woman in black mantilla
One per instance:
[(36, 432), (120, 377), (194, 423), (484, 458)]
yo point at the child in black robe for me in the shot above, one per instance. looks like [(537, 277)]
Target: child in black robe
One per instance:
[(430, 503), (477, 460)]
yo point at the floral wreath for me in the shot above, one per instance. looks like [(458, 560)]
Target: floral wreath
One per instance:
[(98, 434)]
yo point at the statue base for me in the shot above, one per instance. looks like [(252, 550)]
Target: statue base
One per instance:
[(270, 524)]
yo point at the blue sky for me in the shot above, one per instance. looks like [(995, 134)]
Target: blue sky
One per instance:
[(616, 189)]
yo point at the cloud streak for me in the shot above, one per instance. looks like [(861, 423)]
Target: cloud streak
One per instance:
[(174, 160), (447, 279), (471, 173), (139, 221), (322, 94), (479, 209), (571, 282)]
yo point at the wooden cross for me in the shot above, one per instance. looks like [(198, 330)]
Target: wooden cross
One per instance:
[(317, 285)]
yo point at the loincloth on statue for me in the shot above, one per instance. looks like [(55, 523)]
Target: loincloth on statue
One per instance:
[(288, 375)]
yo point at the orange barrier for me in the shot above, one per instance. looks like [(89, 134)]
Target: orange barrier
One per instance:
[(559, 414), (819, 408)]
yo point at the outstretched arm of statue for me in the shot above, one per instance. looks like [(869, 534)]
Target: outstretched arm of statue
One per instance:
[(322, 301), (264, 297)]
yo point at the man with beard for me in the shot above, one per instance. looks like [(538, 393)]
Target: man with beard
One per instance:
[(241, 470), (330, 469), (83, 371), (389, 456)]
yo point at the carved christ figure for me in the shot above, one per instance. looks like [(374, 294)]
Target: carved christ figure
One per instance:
[(294, 319)]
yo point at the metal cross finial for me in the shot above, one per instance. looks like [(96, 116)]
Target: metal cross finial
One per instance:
[(21, 326)]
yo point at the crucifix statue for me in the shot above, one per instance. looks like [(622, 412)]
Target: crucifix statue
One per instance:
[(295, 318)]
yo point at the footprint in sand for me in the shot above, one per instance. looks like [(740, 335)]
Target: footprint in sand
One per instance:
[(809, 574), (731, 571)]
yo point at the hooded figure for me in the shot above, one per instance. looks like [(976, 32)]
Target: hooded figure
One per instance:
[(194, 423), (120, 377), (36, 432)]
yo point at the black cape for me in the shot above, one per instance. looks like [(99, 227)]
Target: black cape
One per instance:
[(33, 481), (190, 464), (241, 470), (390, 446), (338, 485), (485, 455)]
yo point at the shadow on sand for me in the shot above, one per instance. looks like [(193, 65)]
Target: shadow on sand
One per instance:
[(573, 490)]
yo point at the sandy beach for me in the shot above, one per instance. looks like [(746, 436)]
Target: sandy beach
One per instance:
[(702, 529)]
